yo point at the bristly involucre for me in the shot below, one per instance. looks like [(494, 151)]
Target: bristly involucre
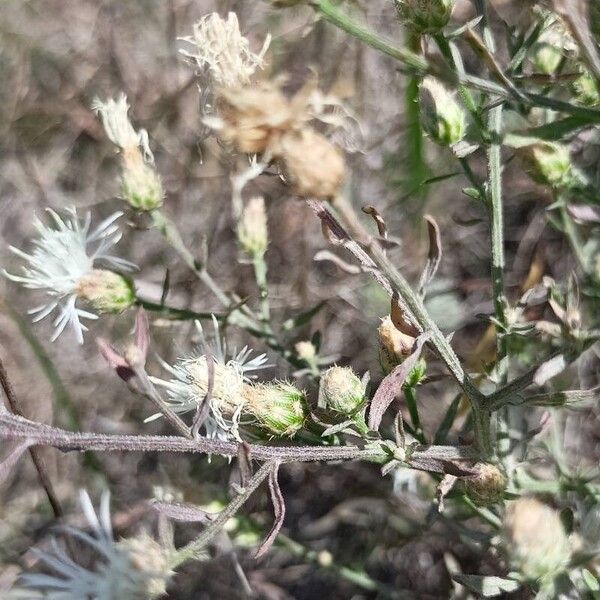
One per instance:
[(136, 570), (63, 255), (219, 47), (190, 384)]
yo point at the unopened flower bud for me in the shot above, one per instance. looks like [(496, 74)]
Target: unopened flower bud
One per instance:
[(394, 346), (313, 165), (279, 408), (548, 163), (487, 486), (141, 186), (148, 567), (425, 16), (535, 539), (306, 351), (106, 291), (341, 391), (586, 89), (441, 115), (252, 228), (554, 43)]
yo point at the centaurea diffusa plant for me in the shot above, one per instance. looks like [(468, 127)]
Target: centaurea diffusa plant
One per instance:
[(482, 458)]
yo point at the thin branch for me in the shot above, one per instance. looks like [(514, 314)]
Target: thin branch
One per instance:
[(37, 459)]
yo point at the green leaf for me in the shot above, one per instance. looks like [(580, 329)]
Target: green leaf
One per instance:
[(472, 193), (557, 130), (487, 586)]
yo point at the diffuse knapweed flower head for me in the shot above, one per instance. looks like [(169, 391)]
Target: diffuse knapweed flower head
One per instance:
[(135, 568), (441, 115), (141, 186), (535, 540), (218, 46), (487, 485), (63, 263), (190, 384), (278, 407), (425, 16), (341, 391)]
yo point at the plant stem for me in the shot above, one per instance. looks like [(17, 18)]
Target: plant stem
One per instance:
[(192, 549), (38, 462), (260, 274), (413, 409), (334, 15)]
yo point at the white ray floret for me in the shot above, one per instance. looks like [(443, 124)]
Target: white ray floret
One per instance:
[(119, 571), (118, 127), (190, 383), (62, 255)]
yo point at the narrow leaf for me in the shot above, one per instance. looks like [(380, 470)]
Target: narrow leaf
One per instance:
[(178, 511), (7, 465), (392, 384), (549, 369), (278, 509), (435, 253), (487, 586)]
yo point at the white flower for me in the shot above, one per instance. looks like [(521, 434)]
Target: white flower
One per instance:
[(120, 570), (223, 50), (63, 256), (118, 127), (191, 379)]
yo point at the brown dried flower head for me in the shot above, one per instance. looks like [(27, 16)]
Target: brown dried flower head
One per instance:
[(487, 486), (311, 163), (252, 118)]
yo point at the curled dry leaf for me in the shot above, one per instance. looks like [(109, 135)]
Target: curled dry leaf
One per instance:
[(278, 509), (390, 387)]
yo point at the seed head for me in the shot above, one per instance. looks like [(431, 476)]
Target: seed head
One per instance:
[(425, 16), (487, 486), (535, 539), (106, 291), (313, 165), (341, 391), (441, 115), (252, 228), (280, 408)]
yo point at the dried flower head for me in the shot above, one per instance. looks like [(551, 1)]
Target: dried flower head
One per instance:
[(394, 346), (190, 384), (62, 264), (487, 486), (136, 569), (441, 115), (219, 47), (425, 16), (252, 229), (141, 186), (341, 391), (252, 119), (536, 541), (278, 407), (313, 165)]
